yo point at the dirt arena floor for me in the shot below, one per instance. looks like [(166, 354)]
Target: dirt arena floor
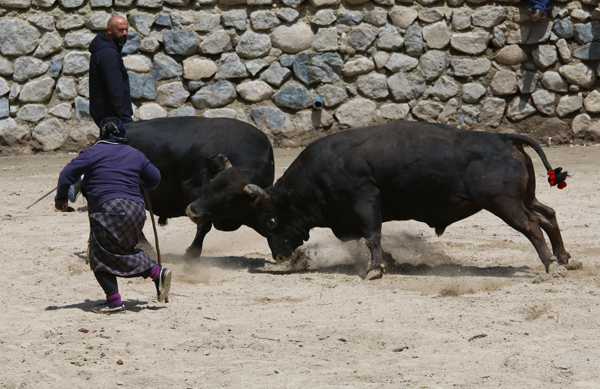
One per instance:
[(472, 309)]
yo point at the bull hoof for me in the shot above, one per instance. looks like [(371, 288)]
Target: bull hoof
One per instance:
[(375, 273), (573, 265), (556, 270)]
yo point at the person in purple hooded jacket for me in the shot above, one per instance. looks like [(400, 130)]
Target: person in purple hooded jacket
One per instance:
[(110, 94), (113, 172)]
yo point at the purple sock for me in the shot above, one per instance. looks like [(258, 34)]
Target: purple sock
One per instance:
[(114, 299), (155, 272)]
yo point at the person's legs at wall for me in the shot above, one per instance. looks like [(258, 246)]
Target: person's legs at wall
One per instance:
[(539, 9), (113, 303)]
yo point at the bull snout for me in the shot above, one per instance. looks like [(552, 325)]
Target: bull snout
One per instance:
[(282, 258), (195, 217)]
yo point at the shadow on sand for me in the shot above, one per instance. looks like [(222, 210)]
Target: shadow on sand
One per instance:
[(87, 305)]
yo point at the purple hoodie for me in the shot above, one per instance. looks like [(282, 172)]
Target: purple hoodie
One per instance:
[(111, 170)]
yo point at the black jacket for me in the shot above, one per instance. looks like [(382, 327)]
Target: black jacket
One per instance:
[(109, 83)]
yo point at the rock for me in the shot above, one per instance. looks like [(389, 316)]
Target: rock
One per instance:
[(504, 83), (216, 43), (4, 88), (294, 96), (470, 42), (381, 58), (519, 109), (276, 74), (230, 66), (326, 40), (66, 89), (357, 66), (437, 35), (322, 3), (11, 134), (563, 28), (50, 43), (526, 81), (403, 17), (79, 39), (349, 19), (332, 95), (138, 63), (216, 95), (270, 118), (45, 22), (362, 37), (206, 22), (255, 91), (461, 19), (6, 67), (401, 63), (255, 66), (143, 22), (32, 113), (165, 67), (389, 39), (29, 67), (356, 113), (55, 67), (15, 90), (133, 43), (163, 19), (149, 111), (221, 113), (568, 104), (293, 39), (563, 51), (473, 92), (149, 3), (592, 102), (312, 119), (413, 41), (443, 89), (406, 87), (43, 3), (540, 32), (488, 17), (376, 17), (373, 85), (430, 15), (427, 110), (178, 42), (492, 112), (37, 91), (183, 111), (544, 55), (4, 113), (392, 111), (83, 132), (70, 23), (467, 116), (579, 74), (580, 123), (253, 45), (98, 21), (17, 37), (172, 94), (585, 33), (83, 87), (196, 68), (194, 85), (264, 20), (50, 134), (544, 101), (511, 55), (77, 62), (498, 40), (288, 14), (590, 51), (323, 17), (63, 111), (554, 81), (82, 109), (141, 86), (311, 68), (149, 44), (433, 64), (236, 19)]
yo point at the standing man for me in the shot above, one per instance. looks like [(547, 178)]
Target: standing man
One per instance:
[(113, 172), (109, 82)]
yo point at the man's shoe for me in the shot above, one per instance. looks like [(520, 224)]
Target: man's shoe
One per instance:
[(163, 284), (108, 308), (75, 189), (538, 14)]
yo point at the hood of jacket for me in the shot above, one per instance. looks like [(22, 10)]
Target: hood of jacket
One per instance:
[(101, 41)]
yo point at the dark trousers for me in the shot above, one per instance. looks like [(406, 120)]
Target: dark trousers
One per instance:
[(108, 281)]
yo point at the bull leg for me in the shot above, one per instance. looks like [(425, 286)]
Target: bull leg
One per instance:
[(195, 249), (368, 212), (526, 222), (376, 266), (548, 222)]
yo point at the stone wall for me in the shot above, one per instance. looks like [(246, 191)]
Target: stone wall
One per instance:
[(475, 64)]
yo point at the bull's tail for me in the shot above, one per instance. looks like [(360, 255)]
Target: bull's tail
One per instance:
[(556, 177)]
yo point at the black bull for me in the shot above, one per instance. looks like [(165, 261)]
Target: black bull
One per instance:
[(195, 157), (353, 181)]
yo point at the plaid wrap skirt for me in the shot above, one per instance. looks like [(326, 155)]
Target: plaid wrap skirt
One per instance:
[(115, 227)]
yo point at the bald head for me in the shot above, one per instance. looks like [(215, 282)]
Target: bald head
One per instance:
[(116, 29)]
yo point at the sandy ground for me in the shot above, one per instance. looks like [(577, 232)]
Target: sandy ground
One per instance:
[(471, 309)]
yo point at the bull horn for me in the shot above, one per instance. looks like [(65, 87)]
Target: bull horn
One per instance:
[(254, 190), (225, 162)]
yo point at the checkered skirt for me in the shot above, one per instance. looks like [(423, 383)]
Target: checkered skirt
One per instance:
[(115, 227)]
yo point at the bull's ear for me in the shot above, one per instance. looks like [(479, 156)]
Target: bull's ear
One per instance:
[(287, 198)]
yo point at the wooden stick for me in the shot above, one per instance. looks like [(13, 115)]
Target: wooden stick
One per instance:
[(149, 204), (41, 198)]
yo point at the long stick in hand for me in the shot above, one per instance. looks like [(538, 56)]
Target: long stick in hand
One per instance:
[(41, 198)]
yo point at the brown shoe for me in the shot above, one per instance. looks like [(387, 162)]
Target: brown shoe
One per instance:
[(538, 14)]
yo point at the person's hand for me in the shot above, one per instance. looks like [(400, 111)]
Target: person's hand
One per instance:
[(61, 206)]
